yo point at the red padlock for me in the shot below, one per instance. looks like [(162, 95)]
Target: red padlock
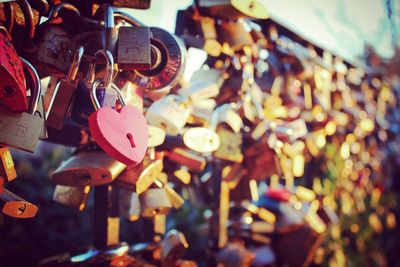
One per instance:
[(122, 134), (12, 85)]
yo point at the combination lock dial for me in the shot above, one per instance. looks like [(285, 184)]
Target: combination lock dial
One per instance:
[(168, 62)]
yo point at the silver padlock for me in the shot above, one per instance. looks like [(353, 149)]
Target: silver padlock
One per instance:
[(129, 204), (23, 130), (169, 113), (74, 196), (154, 201)]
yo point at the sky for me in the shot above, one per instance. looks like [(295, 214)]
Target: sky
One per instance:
[(341, 26)]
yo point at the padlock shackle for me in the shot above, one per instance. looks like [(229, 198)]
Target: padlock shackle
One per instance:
[(54, 12), (76, 61), (109, 66), (128, 18), (28, 17), (35, 84), (93, 96), (109, 17), (4, 31), (113, 12)]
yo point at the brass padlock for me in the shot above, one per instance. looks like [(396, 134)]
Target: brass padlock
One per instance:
[(140, 177), (88, 168), (230, 148), (73, 196), (235, 34), (187, 158), (7, 169), (63, 94), (176, 200), (15, 206), (154, 201)]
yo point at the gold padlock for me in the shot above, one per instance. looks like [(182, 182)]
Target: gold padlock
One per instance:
[(88, 168), (140, 177), (154, 201), (230, 147), (7, 169)]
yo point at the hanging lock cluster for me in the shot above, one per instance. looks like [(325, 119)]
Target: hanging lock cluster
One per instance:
[(238, 141)]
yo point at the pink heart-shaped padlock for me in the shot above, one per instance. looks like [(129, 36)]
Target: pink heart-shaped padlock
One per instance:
[(123, 135)]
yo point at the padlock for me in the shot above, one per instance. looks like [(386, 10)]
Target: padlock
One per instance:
[(231, 9), (132, 94), (170, 60), (54, 42), (203, 109), (235, 33), (169, 113), (230, 148), (140, 177), (204, 84), (7, 169), (129, 205), (13, 88), (183, 175), (187, 158), (202, 140), (88, 168), (22, 130), (74, 196), (200, 90), (134, 48), (176, 200), (14, 206), (82, 105), (70, 135), (154, 201), (113, 130), (63, 94), (291, 131), (229, 116), (49, 85), (156, 136), (173, 246)]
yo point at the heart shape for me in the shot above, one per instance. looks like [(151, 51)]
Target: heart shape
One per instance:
[(123, 135)]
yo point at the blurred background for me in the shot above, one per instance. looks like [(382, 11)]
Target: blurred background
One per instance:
[(353, 29)]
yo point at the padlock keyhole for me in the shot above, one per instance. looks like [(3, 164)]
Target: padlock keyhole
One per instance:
[(130, 138), (21, 209)]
